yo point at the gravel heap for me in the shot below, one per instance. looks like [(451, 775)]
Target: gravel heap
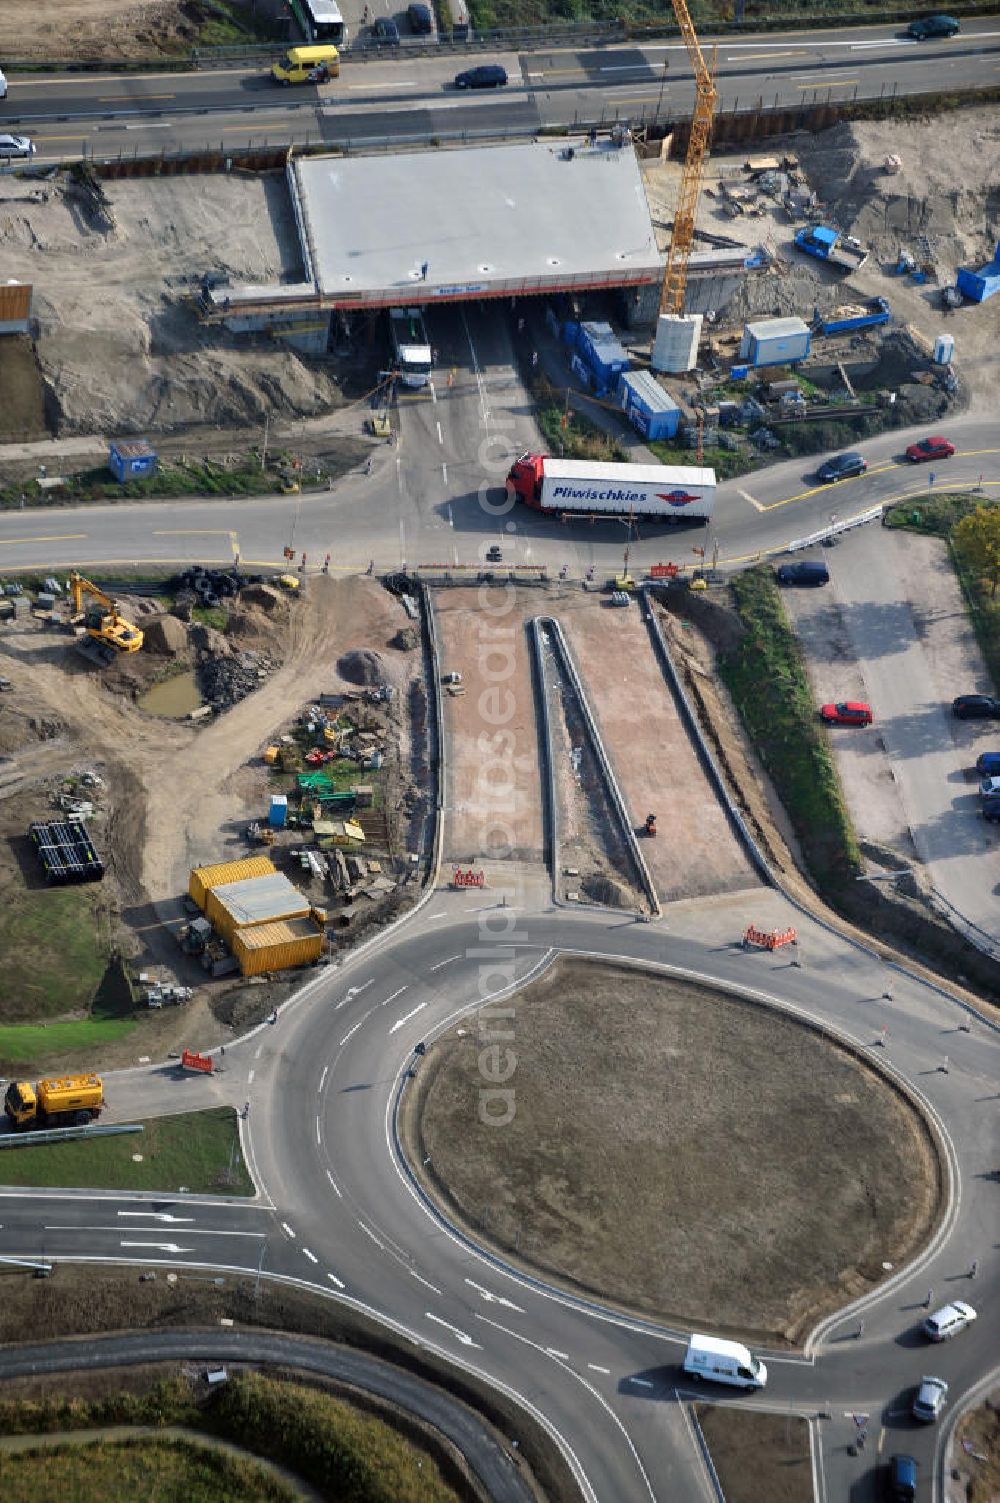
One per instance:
[(362, 666)]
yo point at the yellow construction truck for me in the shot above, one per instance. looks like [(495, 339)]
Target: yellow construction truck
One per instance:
[(107, 632), (66, 1101)]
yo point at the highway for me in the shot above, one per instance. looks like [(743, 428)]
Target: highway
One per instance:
[(106, 116)]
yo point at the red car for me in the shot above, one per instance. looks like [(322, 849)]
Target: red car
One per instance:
[(848, 712), (930, 448)]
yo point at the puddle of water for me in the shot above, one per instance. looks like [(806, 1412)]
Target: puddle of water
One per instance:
[(174, 698)]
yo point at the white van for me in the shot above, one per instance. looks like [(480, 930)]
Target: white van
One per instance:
[(723, 1362)]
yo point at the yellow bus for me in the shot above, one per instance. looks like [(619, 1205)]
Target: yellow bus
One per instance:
[(307, 65)]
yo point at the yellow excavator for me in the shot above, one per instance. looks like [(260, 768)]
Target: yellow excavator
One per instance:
[(106, 628)]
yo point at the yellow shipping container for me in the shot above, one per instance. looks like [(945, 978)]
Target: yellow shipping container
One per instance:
[(276, 947), (269, 899), (204, 878)]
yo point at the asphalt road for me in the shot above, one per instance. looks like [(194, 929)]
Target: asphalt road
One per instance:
[(412, 96), (338, 1210)]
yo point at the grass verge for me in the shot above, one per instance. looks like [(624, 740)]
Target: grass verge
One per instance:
[(53, 953), (196, 1151), (758, 1455), (727, 463), (766, 676), (118, 1471), (340, 1450), (171, 480)]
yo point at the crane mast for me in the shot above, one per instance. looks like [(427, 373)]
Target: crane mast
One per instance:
[(682, 238)]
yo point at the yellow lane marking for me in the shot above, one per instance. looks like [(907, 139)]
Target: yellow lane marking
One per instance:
[(57, 537), (751, 57), (131, 98), (829, 83), (194, 532), (829, 489)]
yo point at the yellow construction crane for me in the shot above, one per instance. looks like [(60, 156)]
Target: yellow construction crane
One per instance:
[(102, 619), (682, 239)]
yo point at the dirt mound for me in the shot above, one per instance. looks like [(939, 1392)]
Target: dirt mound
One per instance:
[(362, 666), (264, 596), (209, 642), (165, 635), (601, 888), (406, 639)]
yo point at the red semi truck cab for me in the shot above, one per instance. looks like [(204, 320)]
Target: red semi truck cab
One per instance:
[(524, 479)]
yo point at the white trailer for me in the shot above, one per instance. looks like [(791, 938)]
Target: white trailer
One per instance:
[(724, 1362), (410, 346), (589, 488)]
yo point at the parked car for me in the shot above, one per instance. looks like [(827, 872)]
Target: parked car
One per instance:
[(988, 764), (3, 86), (420, 19), (931, 1397), (384, 29), (949, 1320), (848, 712), (930, 448), (901, 1485), (486, 76), (976, 707), (806, 572), (933, 26), (841, 467), (989, 787), (16, 146)]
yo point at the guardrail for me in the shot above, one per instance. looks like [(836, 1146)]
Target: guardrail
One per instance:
[(873, 514), (65, 1134)]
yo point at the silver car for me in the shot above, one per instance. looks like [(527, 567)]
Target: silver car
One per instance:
[(16, 146), (932, 1395)]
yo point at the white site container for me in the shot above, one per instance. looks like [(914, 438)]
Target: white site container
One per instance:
[(944, 349)]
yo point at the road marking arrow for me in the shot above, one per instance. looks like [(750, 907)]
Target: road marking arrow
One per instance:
[(462, 1336), (170, 1247), (494, 1299)]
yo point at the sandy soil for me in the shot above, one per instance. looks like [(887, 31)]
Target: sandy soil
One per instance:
[(94, 28), (695, 851), (676, 1196), (758, 1455), (177, 795), (494, 794), (956, 211), (118, 344)]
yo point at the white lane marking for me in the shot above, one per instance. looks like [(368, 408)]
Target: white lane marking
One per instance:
[(192, 1231), (371, 1234), (407, 83), (462, 1336), (352, 991), (334, 1280), (444, 473), (348, 1036), (402, 989), (426, 1282), (170, 1247), (442, 963), (550, 1351), (440, 434), (157, 1215), (430, 916), (752, 499), (287, 1230), (494, 1299), (319, 1135), (250, 1077), (595, 1369), (311, 1256), (322, 1079), (333, 1185), (396, 1026), (434, 395), (258, 1051)]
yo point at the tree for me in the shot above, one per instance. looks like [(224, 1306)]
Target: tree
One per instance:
[(977, 542)]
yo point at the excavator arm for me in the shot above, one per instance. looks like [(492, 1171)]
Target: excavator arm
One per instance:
[(682, 239)]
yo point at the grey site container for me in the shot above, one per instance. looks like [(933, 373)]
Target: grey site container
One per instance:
[(775, 341)]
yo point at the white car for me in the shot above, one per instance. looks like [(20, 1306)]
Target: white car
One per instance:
[(3, 85), (931, 1397), (16, 146), (949, 1320)]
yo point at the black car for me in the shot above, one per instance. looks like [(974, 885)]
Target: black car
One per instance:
[(841, 467), (486, 76), (806, 572), (976, 707), (933, 26), (420, 19), (384, 29)]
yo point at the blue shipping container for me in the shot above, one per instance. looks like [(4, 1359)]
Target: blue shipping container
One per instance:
[(603, 353), (130, 459), (651, 410)]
